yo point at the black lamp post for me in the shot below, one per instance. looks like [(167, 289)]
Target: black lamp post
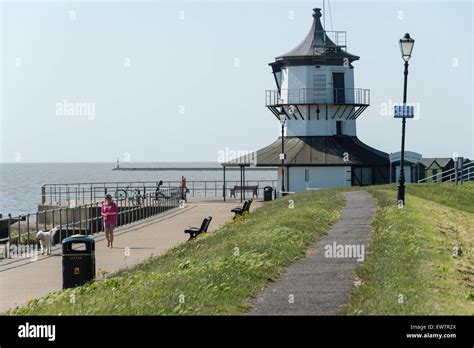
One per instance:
[(282, 154), (406, 47)]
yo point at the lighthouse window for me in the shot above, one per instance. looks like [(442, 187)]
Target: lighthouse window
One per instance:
[(339, 127)]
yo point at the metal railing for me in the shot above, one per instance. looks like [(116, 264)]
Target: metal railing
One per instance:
[(465, 173), (82, 193), (339, 38), (85, 219), (338, 96)]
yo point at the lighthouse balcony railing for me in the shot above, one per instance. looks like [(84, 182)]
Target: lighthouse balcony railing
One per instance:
[(306, 96), (337, 38)]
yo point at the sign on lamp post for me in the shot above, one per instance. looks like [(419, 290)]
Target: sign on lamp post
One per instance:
[(403, 111)]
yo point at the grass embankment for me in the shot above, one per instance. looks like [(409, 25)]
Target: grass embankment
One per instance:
[(213, 274), (459, 197), (412, 267)]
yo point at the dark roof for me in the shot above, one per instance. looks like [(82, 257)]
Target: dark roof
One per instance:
[(443, 162), (316, 37), (427, 161), (316, 150)]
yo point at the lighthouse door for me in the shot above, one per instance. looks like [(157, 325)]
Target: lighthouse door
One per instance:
[(338, 88)]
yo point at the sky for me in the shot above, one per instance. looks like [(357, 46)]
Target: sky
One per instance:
[(160, 81)]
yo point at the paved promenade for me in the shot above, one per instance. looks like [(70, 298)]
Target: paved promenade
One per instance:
[(320, 285), (23, 280)]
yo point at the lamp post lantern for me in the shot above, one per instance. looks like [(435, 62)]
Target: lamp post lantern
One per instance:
[(406, 47)]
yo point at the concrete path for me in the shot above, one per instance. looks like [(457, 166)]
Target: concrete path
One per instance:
[(24, 279), (320, 285)]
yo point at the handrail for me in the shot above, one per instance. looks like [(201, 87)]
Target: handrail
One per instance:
[(451, 173), (342, 96), (93, 191), (339, 38), (87, 219), (440, 175)]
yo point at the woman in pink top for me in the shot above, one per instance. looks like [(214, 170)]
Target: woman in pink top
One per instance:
[(109, 214)]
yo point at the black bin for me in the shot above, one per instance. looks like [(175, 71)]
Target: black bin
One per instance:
[(267, 193), (78, 261)]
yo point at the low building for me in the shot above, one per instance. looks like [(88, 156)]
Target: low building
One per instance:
[(412, 164), (434, 168)]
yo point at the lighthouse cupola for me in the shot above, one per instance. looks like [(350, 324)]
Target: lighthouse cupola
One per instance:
[(315, 85)]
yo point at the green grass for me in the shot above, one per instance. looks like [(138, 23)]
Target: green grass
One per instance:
[(455, 196), (411, 269), (215, 274)]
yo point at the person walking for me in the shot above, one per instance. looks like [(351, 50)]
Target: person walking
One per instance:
[(109, 215)]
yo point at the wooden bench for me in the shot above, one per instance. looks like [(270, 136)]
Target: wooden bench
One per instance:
[(241, 210), (195, 231), (236, 188)]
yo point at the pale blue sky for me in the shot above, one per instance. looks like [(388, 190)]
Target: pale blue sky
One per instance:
[(188, 62)]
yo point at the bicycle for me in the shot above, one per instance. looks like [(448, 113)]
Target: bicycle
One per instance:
[(135, 198)]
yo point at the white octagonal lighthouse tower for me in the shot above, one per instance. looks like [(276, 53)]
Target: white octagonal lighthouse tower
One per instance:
[(316, 99), (315, 85)]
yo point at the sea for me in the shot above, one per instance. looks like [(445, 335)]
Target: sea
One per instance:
[(20, 183)]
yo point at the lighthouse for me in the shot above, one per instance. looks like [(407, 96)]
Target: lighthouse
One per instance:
[(316, 101)]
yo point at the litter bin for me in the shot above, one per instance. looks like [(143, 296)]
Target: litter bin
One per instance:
[(267, 193), (78, 263)]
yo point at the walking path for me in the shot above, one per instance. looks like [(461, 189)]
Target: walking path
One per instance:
[(24, 280), (320, 285)]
